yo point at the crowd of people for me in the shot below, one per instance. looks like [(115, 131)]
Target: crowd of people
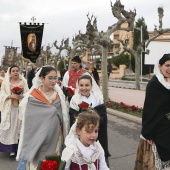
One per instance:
[(37, 120)]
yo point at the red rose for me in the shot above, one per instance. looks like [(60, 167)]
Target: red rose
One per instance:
[(83, 105), (17, 90), (49, 165), (70, 90)]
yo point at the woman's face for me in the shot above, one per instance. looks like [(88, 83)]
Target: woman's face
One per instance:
[(165, 69), (14, 73), (50, 79), (85, 87)]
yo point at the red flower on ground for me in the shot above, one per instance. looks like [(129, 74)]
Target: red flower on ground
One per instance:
[(134, 107), (125, 107), (49, 165), (108, 103), (121, 103)]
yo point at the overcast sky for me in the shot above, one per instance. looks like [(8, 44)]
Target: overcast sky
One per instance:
[(64, 18)]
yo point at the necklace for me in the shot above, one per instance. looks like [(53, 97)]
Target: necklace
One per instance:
[(45, 92)]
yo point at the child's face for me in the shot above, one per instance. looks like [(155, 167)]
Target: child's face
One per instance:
[(85, 87), (88, 136)]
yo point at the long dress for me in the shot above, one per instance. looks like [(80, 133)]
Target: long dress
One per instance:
[(41, 129), (9, 138), (155, 127)]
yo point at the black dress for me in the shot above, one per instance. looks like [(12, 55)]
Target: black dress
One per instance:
[(156, 117)]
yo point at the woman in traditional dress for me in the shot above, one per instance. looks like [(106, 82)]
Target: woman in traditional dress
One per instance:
[(45, 119), (89, 92), (10, 124), (154, 145)]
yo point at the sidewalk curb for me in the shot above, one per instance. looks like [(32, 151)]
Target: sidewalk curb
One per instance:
[(124, 115)]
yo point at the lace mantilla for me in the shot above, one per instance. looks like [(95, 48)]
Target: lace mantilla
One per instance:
[(80, 159)]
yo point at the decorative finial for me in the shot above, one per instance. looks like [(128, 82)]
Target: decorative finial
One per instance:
[(33, 19)]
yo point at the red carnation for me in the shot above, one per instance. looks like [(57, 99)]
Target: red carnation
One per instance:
[(49, 165), (83, 106), (17, 90), (70, 90)]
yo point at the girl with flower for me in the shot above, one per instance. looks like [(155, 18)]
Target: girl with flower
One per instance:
[(10, 124), (82, 152), (43, 111), (88, 94)]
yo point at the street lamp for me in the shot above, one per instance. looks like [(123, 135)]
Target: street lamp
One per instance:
[(141, 39)]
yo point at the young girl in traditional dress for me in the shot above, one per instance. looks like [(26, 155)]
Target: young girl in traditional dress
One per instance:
[(82, 152), (44, 119), (89, 92)]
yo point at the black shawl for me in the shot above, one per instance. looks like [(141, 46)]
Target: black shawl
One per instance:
[(155, 121)]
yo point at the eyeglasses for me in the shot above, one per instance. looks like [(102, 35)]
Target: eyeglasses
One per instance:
[(52, 79)]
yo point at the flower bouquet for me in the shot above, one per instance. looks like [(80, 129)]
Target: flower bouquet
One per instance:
[(52, 162), (68, 92), (18, 91), (83, 106)]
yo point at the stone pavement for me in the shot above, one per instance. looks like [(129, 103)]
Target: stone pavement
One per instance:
[(127, 96)]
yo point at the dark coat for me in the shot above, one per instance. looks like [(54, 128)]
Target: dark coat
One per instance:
[(155, 120), (96, 75), (30, 76), (102, 135)]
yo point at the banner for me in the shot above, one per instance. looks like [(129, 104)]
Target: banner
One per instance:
[(10, 56), (31, 39)]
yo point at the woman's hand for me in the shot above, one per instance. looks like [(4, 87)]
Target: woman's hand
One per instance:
[(15, 96), (20, 96), (150, 142)]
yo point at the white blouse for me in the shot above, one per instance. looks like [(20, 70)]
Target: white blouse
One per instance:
[(87, 155)]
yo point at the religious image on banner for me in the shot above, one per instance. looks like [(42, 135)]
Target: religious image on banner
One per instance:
[(10, 56), (31, 42), (31, 39)]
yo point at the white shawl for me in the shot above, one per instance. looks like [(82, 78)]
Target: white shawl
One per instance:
[(5, 105), (22, 107)]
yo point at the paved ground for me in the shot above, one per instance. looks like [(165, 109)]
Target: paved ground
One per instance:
[(123, 138), (128, 96)]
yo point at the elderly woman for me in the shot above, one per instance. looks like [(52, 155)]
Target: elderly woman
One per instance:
[(10, 124), (154, 145), (45, 119)]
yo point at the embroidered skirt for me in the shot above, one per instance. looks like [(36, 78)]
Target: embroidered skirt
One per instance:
[(147, 158)]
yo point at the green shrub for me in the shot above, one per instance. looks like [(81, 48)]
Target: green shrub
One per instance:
[(123, 59)]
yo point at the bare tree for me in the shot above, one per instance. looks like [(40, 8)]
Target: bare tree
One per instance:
[(137, 53), (102, 39)]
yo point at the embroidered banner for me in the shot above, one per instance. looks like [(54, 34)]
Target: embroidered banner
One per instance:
[(31, 39), (10, 56)]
